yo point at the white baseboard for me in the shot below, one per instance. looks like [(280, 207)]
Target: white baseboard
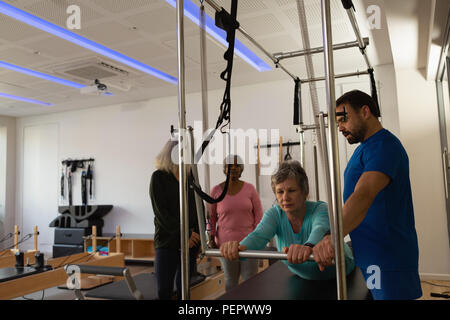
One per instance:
[(434, 276)]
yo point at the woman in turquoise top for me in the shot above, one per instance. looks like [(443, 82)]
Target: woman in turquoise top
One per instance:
[(297, 224)]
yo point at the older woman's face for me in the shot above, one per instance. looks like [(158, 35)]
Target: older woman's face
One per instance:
[(235, 170), (290, 196)]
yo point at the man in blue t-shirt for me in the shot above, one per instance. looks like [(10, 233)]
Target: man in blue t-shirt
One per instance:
[(378, 210)]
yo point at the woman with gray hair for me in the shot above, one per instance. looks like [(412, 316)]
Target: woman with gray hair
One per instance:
[(297, 223), (234, 218), (164, 194)]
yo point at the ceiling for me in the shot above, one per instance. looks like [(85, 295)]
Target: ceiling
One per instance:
[(146, 31)]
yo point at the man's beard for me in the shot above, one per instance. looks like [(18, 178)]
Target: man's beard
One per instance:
[(357, 135)]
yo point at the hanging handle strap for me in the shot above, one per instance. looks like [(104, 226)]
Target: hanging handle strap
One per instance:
[(374, 92)]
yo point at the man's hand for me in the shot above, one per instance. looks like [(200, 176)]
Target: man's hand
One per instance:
[(230, 250), (324, 252), (194, 239), (297, 253)]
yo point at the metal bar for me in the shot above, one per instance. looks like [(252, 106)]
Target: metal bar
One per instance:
[(343, 75), (334, 152), (302, 148), (184, 214), (299, 53), (326, 165), (444, 51), (198, 200), (254, 254), (216, 7), (362, 46), (316, 173), (132, 285), (278, 145)]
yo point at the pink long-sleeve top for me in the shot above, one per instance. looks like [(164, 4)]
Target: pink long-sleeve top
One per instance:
[(235, 216)]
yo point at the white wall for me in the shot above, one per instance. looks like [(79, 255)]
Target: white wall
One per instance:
[(419, 133), (8, 125)]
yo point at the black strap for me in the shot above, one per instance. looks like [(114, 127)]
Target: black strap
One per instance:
[(373, 88), (296, 102), (227, 22), (348, 4), (206, 196), (83, 188)]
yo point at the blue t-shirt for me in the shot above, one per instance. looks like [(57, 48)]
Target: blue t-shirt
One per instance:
[(315, 224), (387, 237)]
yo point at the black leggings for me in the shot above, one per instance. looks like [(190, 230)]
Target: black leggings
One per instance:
[(168, 267)]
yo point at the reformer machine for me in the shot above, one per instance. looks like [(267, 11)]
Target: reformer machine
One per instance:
[(329, 157)]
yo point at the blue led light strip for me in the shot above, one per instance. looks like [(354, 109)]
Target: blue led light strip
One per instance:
[(62, 33), (40, 75), (23, 99), (192, 12)]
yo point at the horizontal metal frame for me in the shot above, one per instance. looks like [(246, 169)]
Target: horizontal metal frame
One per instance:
[(299, 53), (254, 254), (343, 75)]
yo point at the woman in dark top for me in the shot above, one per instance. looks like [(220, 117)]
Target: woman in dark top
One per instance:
[(165, 197)]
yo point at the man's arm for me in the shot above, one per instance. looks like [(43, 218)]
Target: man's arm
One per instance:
[(355, 208)]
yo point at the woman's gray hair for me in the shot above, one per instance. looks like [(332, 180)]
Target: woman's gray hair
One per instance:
[(230, 160), (167, 159), (291, 169)]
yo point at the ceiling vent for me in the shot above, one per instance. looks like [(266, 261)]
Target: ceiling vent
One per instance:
[(87, 71)]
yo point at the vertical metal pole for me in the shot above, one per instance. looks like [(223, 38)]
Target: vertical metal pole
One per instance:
[(302, 148), (316, 173), (326, 167), (333, 152), (184, 216), (198, 201), (204, 82)]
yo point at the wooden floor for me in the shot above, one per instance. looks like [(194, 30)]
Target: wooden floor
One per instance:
[(436, 286)]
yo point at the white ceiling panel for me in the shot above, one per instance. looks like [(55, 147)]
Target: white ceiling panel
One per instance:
[(121, 6), (13, 30), (147, 51), (17, 78), (192, 49), (55, 11), (110, 34), (22, 57), (262, 25), (151, 22), (55, 47)]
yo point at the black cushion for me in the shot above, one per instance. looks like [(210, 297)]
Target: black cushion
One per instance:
[(278, 283), (145, 283)]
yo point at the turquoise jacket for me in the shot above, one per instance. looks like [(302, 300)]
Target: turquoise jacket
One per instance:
[(275, 223)]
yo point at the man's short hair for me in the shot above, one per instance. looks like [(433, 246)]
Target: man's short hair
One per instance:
[(357, 99)]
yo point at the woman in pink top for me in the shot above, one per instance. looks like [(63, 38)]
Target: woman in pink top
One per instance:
[(234, 218)]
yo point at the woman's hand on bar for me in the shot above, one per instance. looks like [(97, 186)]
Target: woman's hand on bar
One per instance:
[(230, 250), (297, 253)]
